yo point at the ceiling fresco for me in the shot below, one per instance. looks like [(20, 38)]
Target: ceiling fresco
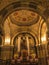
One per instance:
[(24, 17)]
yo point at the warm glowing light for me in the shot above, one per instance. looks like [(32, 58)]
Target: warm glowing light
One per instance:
[(39, 44), (43, 39), (7, 41)]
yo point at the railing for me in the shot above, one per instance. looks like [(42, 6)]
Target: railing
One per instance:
[(16, 62)]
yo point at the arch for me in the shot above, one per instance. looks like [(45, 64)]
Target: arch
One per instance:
[(24, 33), (32, 34), (5, 12)]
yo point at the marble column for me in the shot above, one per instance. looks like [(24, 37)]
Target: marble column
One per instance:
[(28, 45), (19, 40)]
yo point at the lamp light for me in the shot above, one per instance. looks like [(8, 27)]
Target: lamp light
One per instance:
[(7, 41)]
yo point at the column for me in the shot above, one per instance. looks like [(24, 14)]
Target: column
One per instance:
[(28, 45), (19, 40)]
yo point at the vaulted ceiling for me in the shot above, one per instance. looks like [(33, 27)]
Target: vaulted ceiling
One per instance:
[(27, 12), (36, 5), (24, 17)]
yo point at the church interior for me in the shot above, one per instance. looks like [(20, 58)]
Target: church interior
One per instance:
[(24, 32)]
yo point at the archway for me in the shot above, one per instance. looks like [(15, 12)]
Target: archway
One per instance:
[(25, 43), (19, 6)]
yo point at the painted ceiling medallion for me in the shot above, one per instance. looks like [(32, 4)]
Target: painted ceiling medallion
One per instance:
[(24, 17)]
